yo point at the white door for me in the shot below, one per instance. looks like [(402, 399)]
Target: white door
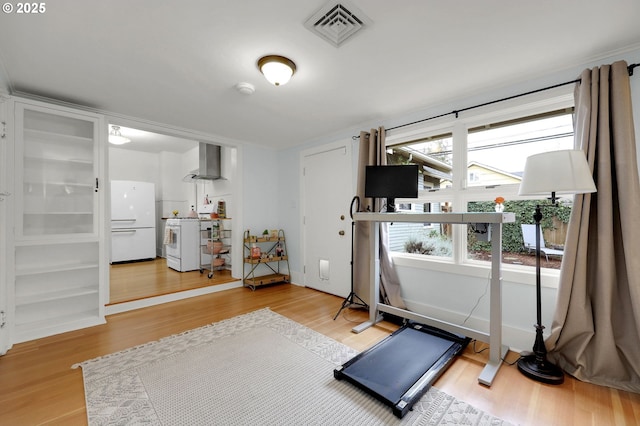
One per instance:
[(327, 194)]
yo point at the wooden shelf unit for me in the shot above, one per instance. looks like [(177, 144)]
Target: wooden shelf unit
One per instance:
[(273, 260)]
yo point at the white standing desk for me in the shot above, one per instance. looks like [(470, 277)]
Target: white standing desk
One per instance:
[(496, 350)]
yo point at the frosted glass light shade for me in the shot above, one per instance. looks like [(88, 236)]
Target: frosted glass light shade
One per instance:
[(116, 138), (276, 69), (559, 172)]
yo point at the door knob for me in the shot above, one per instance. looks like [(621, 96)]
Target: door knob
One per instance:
[(341, 233)]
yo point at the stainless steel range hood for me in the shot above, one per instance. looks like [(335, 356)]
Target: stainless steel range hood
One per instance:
[(210, 164)]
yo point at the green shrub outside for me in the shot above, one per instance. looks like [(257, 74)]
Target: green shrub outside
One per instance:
[(524, 210)]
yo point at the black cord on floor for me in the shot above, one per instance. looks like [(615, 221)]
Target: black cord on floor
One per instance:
[(475, 351)]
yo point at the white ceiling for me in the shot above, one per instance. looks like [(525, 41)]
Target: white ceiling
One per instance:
[(176, 63), (152, 142)]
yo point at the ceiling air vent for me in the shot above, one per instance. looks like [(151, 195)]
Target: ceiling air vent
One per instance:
[(336, 22)]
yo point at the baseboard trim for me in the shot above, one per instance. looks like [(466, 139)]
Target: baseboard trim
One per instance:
[(158, 300)]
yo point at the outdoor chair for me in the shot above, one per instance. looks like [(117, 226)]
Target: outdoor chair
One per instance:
[(529, 237)]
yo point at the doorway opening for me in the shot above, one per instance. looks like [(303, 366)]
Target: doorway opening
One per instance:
[(163, 161)]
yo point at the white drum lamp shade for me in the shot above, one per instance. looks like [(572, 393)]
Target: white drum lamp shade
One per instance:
[(559, 172)]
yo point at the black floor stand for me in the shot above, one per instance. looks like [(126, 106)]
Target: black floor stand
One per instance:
[(352, 300), (536, 366)]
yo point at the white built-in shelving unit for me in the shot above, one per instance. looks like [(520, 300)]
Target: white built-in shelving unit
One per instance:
[(58, 269)]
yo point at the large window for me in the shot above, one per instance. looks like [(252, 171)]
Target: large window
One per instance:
[(466, 169), (496, 153), (435, 158)]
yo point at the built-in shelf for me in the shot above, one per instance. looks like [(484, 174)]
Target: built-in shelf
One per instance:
[(25, 270), (26, 331), (41, 159), (55, 137), (54, 295), (60, 183), (58, 265), (60, 321)]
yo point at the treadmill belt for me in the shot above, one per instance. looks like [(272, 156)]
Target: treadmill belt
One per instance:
[(401, 368)]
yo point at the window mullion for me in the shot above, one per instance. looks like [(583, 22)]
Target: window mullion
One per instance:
[(459, 158), (458, 237)]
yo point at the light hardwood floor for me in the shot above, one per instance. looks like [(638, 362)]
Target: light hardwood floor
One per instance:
[(38, 385), (139, 280)]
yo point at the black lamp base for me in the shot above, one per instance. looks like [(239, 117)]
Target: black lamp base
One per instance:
[(536, 366), (542, 371)]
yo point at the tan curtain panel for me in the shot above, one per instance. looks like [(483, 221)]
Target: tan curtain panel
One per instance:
[(372, 152), (595, 333)]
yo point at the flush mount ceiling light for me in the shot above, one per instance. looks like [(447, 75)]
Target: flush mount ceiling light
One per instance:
[(276, 69), (116, 138)]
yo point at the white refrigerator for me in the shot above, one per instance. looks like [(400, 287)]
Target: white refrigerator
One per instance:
[(133, 221)]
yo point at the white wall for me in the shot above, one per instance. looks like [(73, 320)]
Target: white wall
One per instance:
[(134, 165), (289, 211), (4, 81), (260, 190), (171, 192), (451, 294)]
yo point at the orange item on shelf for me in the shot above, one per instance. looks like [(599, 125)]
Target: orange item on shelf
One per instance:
[(255, 252)]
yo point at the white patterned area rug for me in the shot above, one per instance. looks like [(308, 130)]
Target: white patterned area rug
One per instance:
[(255, 369)]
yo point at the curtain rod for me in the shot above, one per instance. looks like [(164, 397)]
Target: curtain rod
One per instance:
[(630, 69)]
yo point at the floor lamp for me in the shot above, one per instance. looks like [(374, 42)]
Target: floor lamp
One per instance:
[(555, 173)]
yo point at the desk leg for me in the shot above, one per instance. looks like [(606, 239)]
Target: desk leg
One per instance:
[(496, 350), (374, 278), (491, 368)]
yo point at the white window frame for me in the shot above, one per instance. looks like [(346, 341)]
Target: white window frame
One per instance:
[(460, 194)]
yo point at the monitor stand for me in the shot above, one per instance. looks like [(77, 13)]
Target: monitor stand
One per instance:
[(391, 205)]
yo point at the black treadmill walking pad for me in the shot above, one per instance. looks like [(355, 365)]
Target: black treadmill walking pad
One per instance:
[(391, 367)]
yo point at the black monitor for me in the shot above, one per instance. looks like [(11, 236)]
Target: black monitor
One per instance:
[(391, 182)]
